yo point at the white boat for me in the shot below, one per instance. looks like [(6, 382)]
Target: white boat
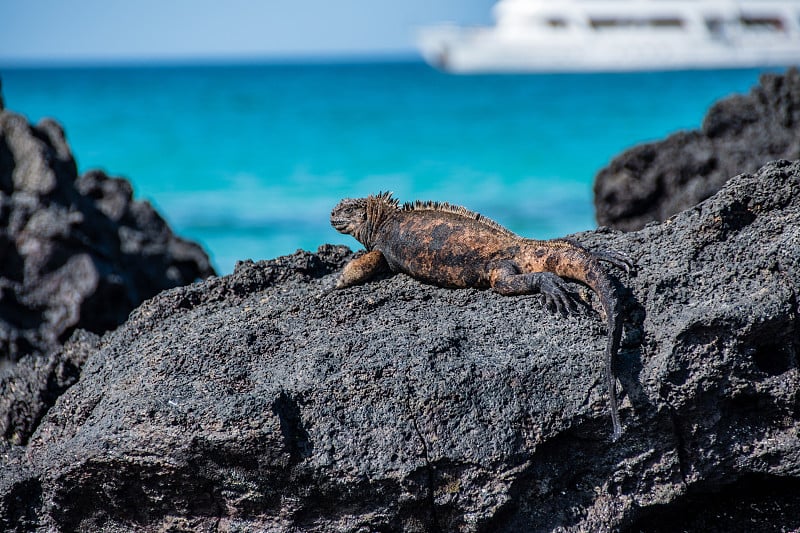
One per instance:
[(620, 35)]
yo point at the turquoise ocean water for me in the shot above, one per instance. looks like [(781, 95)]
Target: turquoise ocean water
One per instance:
[(250, 159)]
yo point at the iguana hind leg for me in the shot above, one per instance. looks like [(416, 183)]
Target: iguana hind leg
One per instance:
[(361, 269), (507, 280)]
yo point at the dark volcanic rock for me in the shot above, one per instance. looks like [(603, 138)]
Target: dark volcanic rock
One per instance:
[(76, 252), (258, 401), (30, 387), (739, 134)]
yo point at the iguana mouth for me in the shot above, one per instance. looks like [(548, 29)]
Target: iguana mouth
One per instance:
[(339, 224)]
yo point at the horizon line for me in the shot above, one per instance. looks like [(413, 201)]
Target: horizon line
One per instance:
[(311, 58)]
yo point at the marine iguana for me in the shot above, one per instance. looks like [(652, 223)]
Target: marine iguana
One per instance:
[(450, 246)]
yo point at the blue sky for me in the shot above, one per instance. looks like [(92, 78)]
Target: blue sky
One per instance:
[(108, 30)]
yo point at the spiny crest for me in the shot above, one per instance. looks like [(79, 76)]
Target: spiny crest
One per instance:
[(385, 198), (445, 207)]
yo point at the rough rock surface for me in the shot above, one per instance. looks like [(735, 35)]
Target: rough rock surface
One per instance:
[(31, 386), (258, 401), (75, 252), (739, 134)]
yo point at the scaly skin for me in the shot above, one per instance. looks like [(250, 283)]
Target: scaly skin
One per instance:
[(448, 246)]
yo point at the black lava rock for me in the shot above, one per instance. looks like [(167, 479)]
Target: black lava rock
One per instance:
[(261, 401), (740, 134), (75, 251)]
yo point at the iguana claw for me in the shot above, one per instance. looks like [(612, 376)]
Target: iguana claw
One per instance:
[(618, 259)]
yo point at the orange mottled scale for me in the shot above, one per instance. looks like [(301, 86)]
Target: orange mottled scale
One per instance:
[(440, 248)]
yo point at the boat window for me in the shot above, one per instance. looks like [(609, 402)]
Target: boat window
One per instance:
[(663, 22), (716, 27), (667, 23), (765, 23), (599, 23), (557, 23)]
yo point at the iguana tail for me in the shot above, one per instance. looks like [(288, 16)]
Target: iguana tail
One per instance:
[(580, 264), (608, 299)]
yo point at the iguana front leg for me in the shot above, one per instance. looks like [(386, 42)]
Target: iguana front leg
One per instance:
[(506, 279), (361, 269)]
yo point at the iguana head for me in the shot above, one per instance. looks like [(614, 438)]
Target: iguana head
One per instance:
[(350, 216), (359, 217)]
